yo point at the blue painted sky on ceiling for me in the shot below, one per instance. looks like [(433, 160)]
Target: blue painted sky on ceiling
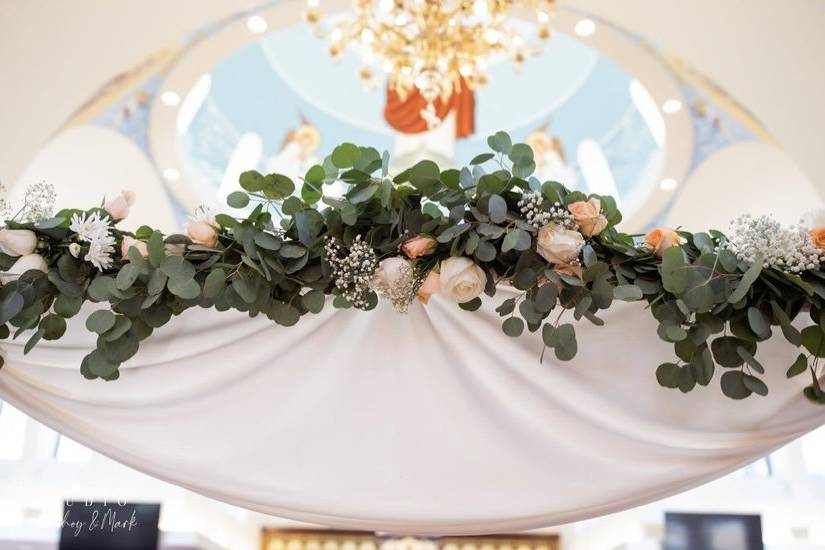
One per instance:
[(268, 85)]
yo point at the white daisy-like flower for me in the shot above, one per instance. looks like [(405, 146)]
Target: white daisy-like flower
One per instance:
[(90, 228), (100, 252)]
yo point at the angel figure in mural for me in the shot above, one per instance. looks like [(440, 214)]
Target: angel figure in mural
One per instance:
[(297, 152), (551, 161)]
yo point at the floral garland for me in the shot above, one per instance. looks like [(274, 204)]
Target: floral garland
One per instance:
[(421, 232)]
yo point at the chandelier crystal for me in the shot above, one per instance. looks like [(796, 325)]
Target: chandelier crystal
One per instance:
[(431, 46)]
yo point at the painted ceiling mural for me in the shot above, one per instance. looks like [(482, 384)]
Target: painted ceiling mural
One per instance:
[(592, 125)]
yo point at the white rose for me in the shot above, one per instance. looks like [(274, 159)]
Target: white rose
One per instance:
[(118, 206), (390, 272), (23, 264), (558, 245), (462, 279), (17, 242)]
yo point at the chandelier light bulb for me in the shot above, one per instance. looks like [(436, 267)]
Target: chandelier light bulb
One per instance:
[(585, 27), (336, 34), (672, 106), (481, 8), (367, 36), (491, 36), (386, 5), (256, 24), (170, 98), (542, 17), (312, 3), (668, 184)]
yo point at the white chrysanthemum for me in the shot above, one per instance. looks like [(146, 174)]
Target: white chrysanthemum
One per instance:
[(100, 252), (90, 228)]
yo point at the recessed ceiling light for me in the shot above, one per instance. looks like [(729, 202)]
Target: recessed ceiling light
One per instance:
[(256, 24), (585, 27), (170, 98), (668, 184), (171, 174), (672, 106)]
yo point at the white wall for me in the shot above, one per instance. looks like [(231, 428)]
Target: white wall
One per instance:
[(748, 177), (87, 163)]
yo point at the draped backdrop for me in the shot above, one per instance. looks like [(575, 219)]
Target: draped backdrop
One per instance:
[(432, 422)]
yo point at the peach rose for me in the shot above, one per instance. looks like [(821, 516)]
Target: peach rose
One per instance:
[(422, 245), (589, 217), (662, 238), (818, 236), (118, 206), (129, 242), (558, 245), (202, 232), (430, 286)]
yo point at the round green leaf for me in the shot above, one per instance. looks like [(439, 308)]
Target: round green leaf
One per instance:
[(214, 284), (237, 199), (98, 364), (724, 350), (470, 305), (668, 375), (755, 384), (345, 155), (187, 289), (67, 306), (100, 321), (122, 324), (314, 301), (53, 327), (119, 350), (814, 340), (733, 385), (513, 327), (497, 209)]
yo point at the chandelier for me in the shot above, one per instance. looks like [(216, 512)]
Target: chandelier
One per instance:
[(432, 46)]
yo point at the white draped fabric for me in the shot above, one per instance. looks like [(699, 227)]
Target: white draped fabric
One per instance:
[(432, 422)]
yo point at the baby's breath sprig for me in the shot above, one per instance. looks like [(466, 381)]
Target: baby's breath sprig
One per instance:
[(788, 249), (352, 270)]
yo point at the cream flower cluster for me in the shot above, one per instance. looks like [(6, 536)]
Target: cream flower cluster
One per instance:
[(94, 230), (789, 249), (353, 273)]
